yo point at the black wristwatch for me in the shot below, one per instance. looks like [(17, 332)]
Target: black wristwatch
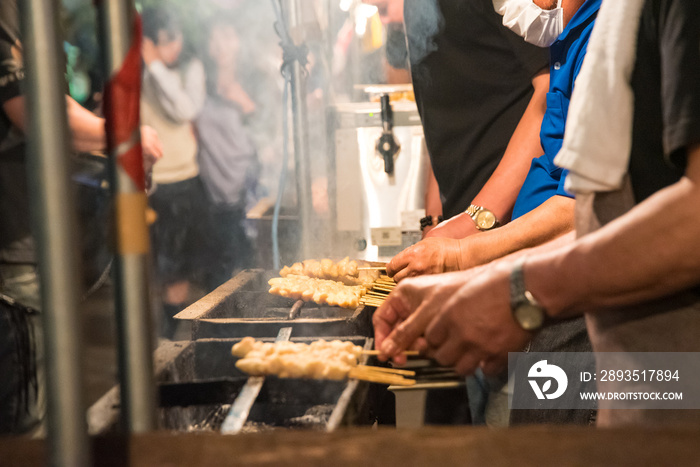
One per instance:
[(428, 221), (527, 312)]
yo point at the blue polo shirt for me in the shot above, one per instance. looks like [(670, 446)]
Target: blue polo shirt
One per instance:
[(545, 179)]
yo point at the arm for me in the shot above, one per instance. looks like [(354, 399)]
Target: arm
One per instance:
[(181, 101), (652, 258), (552, 219), (433, 203), (87, 129), (501, 190)]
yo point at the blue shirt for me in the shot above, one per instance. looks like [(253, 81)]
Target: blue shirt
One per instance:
[(545, 179)]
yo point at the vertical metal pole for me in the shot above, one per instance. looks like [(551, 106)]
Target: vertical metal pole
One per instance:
[(138, 400), (54, 221), (302, 163)]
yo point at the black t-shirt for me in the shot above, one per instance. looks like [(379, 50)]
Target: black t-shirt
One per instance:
[(473, 80), (666, 84), (16, 244)]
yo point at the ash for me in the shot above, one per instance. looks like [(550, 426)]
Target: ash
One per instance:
[(313, 417)]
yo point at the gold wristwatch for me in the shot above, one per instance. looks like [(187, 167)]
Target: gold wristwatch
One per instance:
[(483, 218)]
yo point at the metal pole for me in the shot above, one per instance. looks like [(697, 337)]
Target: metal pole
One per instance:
[(302, 163), (54, 221), (138, 399)]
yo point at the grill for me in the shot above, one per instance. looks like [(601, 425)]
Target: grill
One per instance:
[(243, 307), (198, 381)]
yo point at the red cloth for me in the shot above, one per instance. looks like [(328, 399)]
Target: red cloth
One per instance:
[(122, 97)]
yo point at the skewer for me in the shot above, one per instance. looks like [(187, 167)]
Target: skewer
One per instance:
[(381, 369), (408, 353), (378, 295), (378, 377), (372, 268)]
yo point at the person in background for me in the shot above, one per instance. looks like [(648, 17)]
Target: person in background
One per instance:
[(22, 390), (227, 157), (634, 157), (172, 96)]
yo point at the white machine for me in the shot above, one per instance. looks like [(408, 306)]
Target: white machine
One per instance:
[(380, 178)]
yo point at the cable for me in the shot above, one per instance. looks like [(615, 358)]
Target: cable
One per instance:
[(283, 177), (290, 54)]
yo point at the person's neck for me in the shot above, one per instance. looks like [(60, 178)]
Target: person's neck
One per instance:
[(570, 9)]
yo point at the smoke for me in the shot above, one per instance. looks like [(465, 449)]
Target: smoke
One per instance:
[(423, 21)]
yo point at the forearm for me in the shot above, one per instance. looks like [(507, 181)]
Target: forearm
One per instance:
[(87, 129), (501, 190), (554, 218), (635, 258), (433, 204)]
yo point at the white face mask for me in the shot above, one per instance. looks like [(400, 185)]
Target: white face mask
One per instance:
[(535, 25)]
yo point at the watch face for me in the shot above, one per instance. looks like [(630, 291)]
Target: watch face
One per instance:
[(530, 317), (485, 220)]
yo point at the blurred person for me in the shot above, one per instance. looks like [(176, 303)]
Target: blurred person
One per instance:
[(22, 390), (172, 96), (227, 156), (635, 164)]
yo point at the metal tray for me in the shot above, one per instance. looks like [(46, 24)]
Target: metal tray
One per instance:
[(194, 366), (243, 307)]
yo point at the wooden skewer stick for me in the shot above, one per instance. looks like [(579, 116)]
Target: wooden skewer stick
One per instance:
[(380, 296), (377, 377), (372, 268), (408, 353), (381, 369)]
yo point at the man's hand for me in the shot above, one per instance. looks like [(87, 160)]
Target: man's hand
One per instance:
[(475, 326), (459, 226), (429, 256), (400, 322), (149, 51), (152, 147), (461, 319)]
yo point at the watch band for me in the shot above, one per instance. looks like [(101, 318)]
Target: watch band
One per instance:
[(527, 312), (517, 283), (473, 209)]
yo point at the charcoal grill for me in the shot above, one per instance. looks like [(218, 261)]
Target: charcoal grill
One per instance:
[(194, 378), (243, 307)]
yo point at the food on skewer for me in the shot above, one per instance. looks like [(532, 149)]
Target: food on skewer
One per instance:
[(320, 291), (335, 360), (320, 359), (345, 271)]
